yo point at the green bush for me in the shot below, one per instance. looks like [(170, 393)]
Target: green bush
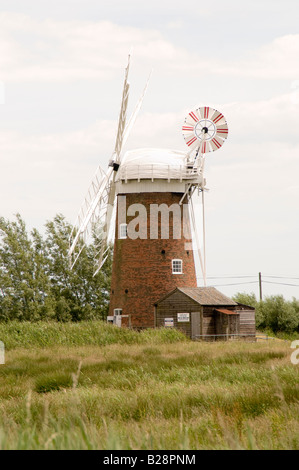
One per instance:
[(273, 313), (278, 314), (246, 299)]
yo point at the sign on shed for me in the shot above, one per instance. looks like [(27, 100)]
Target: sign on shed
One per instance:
[(168, 322), (183, 317)]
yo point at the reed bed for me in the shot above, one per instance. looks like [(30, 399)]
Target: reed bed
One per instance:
[(153, 390)]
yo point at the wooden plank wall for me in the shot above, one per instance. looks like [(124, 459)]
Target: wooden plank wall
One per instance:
[(208, 322), (227, 324), (171, 306), (247, 322), (247, 319)]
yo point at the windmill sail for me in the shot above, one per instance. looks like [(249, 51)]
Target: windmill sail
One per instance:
[(122, 115), (92, 213), (97, 209)]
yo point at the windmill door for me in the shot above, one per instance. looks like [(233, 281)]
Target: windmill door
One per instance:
[(195, 325)]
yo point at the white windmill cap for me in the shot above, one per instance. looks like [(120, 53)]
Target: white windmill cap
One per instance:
[(155, 163), (154, 156)]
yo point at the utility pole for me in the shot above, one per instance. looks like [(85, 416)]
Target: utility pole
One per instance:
[(260, 286)]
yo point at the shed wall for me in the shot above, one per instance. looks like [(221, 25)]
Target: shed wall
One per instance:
[(171, 306), (227, 324), (247, 320)]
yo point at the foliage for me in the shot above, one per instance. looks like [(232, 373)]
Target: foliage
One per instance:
[(274, 312), (278, 314), (43, 334), (149, 395), (36, 281), (246, 299)]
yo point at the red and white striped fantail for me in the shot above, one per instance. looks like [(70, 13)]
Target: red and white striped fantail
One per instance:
[(205, 129)]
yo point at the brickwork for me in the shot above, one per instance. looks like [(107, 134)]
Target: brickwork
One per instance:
[(142, 268)]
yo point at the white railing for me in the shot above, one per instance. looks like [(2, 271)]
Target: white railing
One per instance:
[(155, 171)]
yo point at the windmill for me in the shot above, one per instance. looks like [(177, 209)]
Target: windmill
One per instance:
[(150, 182)]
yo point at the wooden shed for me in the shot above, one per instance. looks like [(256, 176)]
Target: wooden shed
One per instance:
[(205, 313)]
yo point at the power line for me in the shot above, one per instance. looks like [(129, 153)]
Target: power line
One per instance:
[(229, 277), (281, 283), (280, 277), (234, 284), (250, 276), (259, 281)]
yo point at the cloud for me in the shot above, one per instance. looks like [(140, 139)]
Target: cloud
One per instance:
[(275, 60), (51, 50), (45, 174), (63, 50), (272, 120)]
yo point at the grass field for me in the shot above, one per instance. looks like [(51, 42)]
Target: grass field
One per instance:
[(93, 386)]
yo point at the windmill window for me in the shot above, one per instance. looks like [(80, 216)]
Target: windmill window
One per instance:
[(177, 266), (118, 311), (123, 231)]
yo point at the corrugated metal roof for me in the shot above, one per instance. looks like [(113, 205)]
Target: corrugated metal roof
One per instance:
[(207, 296), (227, 312)]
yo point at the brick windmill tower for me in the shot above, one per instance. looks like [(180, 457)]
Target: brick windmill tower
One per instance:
[(151, 190)]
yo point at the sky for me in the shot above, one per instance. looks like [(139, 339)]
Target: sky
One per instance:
[(61, 74)]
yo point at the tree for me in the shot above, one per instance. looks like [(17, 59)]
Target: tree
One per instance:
[(246, 299), (36, 280), (25, 290), (87, 296), (279, 314)]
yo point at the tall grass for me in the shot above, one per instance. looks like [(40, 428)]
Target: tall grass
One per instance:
[(149, 390), (46, 334)]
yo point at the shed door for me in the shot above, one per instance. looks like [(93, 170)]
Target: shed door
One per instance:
[(195, 325)]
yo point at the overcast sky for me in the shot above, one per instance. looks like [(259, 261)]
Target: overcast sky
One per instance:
[(61, 73)]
